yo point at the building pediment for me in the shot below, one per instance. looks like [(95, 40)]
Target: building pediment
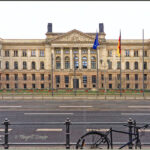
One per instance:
[(73, 36)]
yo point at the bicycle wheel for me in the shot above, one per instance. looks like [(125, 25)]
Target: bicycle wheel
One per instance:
[(93, 140)]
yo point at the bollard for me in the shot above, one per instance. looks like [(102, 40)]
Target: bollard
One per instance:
[(6, 123), (67, 133), (130, 123)]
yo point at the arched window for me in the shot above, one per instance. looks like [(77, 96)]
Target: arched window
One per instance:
[(58, 65), (15, 65), (93, 62), (41, 65), (67, 62), (33, 65), (136, 65), (127, 65), (76, 62), (84, 62), (7, 65)]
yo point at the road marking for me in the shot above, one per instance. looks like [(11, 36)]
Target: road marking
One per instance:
[(135, 114), (76, 106), (10, 106), (139, 106), (48, 113), (50, 130), (2, 130), (101, 130), (145, 130)]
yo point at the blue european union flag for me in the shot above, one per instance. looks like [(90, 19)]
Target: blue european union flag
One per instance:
[(96, 42)]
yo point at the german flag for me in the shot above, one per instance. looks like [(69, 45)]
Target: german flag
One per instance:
[(119, 46)]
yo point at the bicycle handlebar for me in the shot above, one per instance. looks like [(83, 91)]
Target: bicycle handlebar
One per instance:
[(145, 126)]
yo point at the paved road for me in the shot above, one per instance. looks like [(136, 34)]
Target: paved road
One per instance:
[(78, 111)]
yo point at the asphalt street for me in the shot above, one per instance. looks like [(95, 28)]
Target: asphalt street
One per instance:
[(21, 111)]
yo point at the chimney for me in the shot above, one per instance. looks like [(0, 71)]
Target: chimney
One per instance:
[(49, 27), (101, 27)]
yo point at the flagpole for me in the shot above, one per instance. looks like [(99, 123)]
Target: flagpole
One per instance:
[(120, 66), (143, 62), (97, 71)]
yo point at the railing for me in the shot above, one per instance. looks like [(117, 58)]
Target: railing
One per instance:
[(67, 124)]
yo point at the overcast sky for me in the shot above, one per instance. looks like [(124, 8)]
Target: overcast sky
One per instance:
[(28, 20)]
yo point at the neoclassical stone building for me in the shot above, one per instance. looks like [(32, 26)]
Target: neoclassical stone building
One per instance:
[(27, 64)]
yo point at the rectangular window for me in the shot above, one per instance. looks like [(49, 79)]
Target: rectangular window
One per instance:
[(127, 77), (145, 86), (24, 53), (127, 53), (93, 79), (102, 77), (136, 77), (42, 86), (66, 51), (33, 86), (110, 86), (110, 77), (84, 51), (118, 76), (15, 53), (93, 51), (16, 77), (136, 86), (58, 51), (66, 79), (57, 79), (127, 86), (109, 64), (145, 77), (136, 53), (16, 86), (42, 76), (49, 77), (109, 53), (118, 64), (145, 65), (7, 86), (41, 53), (84, 79), (15, 65), (33, 77), (25, 77), (7, 53), (7, 77), (25, 86), (33, 53), (145, 53)]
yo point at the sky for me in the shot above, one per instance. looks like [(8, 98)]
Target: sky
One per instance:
[(28, 20)]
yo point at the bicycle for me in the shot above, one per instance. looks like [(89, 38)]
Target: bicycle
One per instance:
[(100, 140)]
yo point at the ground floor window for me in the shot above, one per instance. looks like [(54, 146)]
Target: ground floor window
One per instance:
[(7, 86), (110, 86), (85, 85), (33, 86), (25, 86), (136, 86), (127, 86), (42, 86), (66, 86), (16, 86)]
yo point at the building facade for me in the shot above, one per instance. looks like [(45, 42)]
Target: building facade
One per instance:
[(69, 60)]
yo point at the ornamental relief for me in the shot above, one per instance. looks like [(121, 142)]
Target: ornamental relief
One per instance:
[(74, 37)]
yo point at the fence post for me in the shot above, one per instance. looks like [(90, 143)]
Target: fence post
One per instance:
[(6, 123), (67, 133), (130, 123)]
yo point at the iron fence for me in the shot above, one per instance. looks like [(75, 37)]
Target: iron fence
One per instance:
[(6, 144)]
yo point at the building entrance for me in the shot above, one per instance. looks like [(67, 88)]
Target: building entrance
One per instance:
[(76, 83)]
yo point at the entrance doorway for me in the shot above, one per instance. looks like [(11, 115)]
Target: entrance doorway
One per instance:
[(76, 83)]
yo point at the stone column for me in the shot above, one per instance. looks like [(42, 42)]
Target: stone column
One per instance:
[(89, 58), (62, 59), (71, 59), (80, 59), (53, 57)]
